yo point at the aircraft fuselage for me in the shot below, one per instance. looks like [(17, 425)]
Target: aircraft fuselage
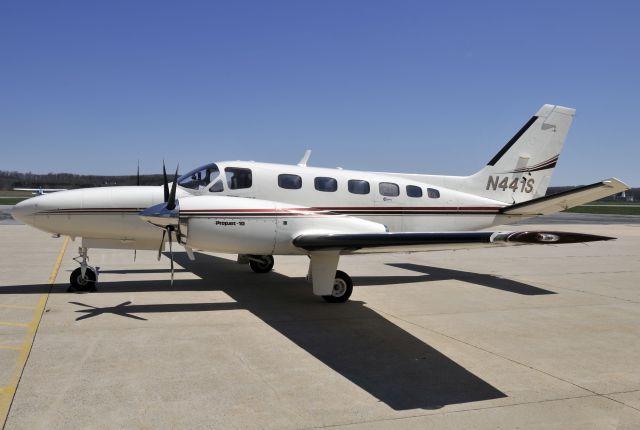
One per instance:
[(109, 216)]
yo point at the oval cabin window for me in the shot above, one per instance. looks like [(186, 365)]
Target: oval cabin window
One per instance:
[(325, 184), (289, 182), (414, 191), (358, 186)]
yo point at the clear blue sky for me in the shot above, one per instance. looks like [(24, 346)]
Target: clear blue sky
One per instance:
[(417, 86)]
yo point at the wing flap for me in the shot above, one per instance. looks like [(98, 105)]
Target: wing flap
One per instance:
[(558, 202), (431, 241)]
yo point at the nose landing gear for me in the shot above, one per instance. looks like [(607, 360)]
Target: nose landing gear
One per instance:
[(85, 277)]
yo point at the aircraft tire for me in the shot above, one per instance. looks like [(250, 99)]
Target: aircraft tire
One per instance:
[(78, 283), (342, 288), (264, 265)]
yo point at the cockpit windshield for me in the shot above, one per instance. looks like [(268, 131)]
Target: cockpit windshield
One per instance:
[(199, 178)]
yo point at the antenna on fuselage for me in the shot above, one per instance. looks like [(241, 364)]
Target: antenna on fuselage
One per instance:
[(305, 158)]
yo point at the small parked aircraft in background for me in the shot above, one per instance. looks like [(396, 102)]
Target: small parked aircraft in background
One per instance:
[(257, 210), (40, 191)]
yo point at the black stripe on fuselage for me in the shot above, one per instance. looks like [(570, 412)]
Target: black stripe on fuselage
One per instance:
[(513, 140), (366, 211)]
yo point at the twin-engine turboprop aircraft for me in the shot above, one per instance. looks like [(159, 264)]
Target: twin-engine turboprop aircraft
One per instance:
[(257, 210)]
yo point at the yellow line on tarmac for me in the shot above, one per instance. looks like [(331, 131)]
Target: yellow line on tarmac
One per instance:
[(7, 392)]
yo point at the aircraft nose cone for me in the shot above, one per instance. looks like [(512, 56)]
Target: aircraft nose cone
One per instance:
[(24, 211)]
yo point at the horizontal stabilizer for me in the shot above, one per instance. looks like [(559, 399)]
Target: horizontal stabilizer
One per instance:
[(567, 199), (431, 241)]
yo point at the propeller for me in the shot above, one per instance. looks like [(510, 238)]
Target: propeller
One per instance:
[(171, 201), (166, 183), (165, 215)]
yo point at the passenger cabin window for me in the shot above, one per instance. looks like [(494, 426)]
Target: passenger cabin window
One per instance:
[(199, 178), (389, 189), (357, 186), (325, 184), (238, 178), (289, 182), (433, 193), (414, 191)]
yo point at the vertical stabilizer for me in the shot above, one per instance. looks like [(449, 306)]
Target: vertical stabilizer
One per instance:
[(522, 169)]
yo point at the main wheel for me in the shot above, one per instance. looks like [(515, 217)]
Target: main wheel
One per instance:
[(80, 283), (342, 288), (261, 263)]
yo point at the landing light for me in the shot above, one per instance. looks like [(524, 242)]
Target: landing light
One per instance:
[(547, 237)]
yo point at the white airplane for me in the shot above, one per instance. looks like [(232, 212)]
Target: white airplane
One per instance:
[(40, 191), (258, 210)]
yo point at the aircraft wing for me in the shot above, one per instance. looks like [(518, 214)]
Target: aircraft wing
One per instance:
[(558, 202), (434, 241)]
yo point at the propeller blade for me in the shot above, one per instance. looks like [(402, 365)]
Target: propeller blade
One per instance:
[(171, 203), (138, 175), (161, 244), (171, 253), (166, 183)]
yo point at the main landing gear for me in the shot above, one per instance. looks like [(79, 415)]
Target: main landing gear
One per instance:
[(261, 263), (85, 277), (342, 288)]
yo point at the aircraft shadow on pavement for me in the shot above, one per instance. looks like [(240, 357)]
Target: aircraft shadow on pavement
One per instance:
[(441, 274), (361, 345), (353, 340)]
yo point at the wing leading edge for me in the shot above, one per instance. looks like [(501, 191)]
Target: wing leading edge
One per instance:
[(432, 241)]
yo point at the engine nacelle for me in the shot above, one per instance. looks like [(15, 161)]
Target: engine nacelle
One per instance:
[(261, 227)]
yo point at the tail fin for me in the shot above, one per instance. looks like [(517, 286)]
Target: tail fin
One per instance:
[(522, 169)]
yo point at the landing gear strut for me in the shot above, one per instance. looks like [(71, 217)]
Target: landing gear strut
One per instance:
[(85, 277), (261, 263)]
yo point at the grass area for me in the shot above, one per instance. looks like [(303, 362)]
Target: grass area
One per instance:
[(11, 197), (11, 200), (606, 210), (613, 202), (14, 193)]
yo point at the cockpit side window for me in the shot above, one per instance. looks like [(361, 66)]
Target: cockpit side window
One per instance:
[(238, 178), (199, 178), (217, 187)]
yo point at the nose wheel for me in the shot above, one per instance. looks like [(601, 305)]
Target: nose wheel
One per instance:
[(83, 283), (85, 277)]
